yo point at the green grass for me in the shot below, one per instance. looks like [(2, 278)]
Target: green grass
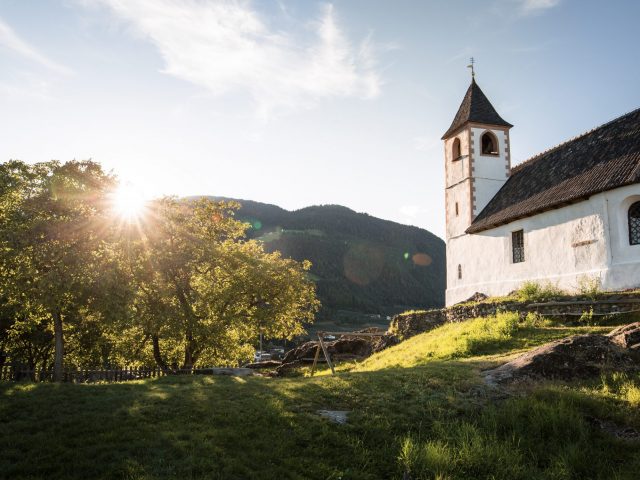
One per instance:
[(419, 407), (480, 337)]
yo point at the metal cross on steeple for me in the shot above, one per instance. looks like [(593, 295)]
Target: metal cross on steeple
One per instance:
[(473, 73)]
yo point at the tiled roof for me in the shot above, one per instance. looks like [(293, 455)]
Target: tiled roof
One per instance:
[(602, 159), (475, 107)]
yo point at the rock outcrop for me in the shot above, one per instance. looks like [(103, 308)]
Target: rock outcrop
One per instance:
[(576, 357)]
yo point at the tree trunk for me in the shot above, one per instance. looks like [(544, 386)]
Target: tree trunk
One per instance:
[(59, 346), (190, 345), (157, 356), (189, 355)]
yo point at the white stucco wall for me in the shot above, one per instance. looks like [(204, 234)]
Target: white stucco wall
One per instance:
[(458, 185), (489, 171), (562, 246), (624, 261)]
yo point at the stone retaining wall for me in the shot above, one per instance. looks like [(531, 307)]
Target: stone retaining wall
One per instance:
[(407, 325)]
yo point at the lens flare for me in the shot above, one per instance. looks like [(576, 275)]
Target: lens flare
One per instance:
[(363, 263), (421, 259), (129, 202)]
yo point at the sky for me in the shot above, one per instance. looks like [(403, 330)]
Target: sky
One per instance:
[(300, 103)]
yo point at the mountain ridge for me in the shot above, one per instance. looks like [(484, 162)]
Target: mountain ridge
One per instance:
[(360, 263)]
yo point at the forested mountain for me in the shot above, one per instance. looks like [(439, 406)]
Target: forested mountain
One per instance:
[(360, 263)]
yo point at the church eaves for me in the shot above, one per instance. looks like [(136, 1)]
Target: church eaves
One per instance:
[(475, 107), (602, 159)]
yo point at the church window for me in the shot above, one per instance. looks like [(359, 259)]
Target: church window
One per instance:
[(489, 144), (456, 152), (517, 246), (634, 224), (459, 272)]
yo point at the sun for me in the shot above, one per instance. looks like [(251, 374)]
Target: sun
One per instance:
[(129, 202)]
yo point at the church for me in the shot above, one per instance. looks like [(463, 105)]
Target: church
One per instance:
[(568, 214)]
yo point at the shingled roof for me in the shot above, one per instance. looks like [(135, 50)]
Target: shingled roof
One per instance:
[(475, 107), (602, 159)]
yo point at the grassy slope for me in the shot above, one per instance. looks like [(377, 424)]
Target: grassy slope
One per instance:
[(419, 407)]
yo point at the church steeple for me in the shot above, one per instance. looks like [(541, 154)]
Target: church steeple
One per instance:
[(476, 108), (477, 159)]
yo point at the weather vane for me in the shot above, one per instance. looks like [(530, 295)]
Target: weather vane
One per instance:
[(473, 73)]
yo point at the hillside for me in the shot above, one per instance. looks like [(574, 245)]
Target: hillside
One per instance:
[(361, 264), (419, 410)]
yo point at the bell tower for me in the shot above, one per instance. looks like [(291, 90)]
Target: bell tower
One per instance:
[(477, 160)]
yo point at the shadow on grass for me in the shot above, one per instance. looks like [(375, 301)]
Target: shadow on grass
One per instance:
[(430, 419), (218, 427), (171, 428)]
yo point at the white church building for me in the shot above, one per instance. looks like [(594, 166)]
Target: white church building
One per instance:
[(566, 214)]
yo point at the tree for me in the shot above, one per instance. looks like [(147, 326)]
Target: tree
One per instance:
[(54, 225), (180, 284), (205, 290)]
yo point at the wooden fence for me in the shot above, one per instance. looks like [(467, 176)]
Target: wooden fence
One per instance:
[(11, 373)]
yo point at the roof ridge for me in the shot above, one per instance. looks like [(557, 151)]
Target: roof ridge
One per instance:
[(569, 140)]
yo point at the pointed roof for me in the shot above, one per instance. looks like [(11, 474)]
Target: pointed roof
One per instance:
[(475, 107), (602, 159)]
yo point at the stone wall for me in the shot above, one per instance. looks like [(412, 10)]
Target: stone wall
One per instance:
[(569, 309)]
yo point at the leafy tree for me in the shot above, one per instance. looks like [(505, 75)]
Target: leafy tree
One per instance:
[(179, 284), (205, 291), (53, 224)]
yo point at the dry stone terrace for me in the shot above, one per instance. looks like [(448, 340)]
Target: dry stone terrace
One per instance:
[(569, 308)]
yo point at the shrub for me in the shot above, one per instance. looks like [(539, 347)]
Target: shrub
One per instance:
[(587, 317), (535, 320), (531, 291), (590, 286)]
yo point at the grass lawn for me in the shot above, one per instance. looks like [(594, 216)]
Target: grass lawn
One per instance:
[(419, 407)]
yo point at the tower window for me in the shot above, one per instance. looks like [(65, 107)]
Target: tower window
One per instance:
[(489, 144), (459, 272), (634, 224), (457, 210), (517, 246), (455, 149)]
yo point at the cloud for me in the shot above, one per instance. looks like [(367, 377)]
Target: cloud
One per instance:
[(11, 41), (536, 6), (227, 46)]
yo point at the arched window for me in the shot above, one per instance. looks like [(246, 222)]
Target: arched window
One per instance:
[(459, 272), (489, 144), (634, 224), (455, 149)]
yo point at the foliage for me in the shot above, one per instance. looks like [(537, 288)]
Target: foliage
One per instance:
[(590, 286), (53, 242), (177, 285), (587, 317), (536, 292), (204, 291)]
